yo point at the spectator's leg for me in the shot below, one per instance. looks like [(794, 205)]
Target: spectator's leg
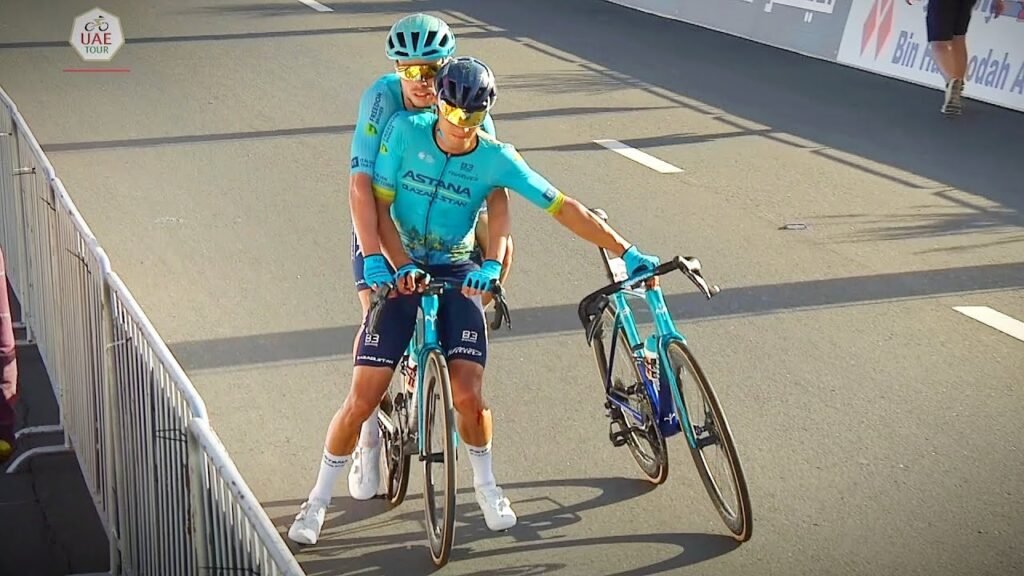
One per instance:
[(8, 368), (941, 22), (958, 47)]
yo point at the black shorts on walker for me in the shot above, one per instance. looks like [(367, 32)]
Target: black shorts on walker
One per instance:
[(948, 18)]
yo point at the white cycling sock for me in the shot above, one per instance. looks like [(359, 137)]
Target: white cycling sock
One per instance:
[(480, 458), (369, 433), (331, 467)]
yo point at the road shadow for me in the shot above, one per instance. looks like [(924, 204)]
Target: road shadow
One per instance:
[(320, 343), (405, 552)]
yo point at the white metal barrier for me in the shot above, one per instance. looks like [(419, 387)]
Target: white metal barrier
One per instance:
[(165, 488)]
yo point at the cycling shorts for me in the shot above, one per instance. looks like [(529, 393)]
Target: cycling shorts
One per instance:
[(948, 18), (461, 326), (358, 263)]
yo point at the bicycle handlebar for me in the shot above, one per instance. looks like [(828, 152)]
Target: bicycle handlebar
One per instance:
[(436, 288), (594, 303)]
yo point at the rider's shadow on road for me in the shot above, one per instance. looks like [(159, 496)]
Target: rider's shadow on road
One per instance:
[(354, 540)]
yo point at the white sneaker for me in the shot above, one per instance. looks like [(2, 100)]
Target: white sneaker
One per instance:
[(364, 476), (496, 508), (308, 522)]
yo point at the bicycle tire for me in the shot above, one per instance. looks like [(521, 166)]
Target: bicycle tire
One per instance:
[(441, 534), (656, 471), (741, 523), (396, 460)]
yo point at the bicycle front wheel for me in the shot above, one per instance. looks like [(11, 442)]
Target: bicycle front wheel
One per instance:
[(439, 458), (701, 410)]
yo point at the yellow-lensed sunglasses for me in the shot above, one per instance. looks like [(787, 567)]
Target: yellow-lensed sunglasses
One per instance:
[(460, 117), (418, 72)]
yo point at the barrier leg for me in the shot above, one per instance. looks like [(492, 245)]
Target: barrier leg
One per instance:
[(196, 490), (112, 427)]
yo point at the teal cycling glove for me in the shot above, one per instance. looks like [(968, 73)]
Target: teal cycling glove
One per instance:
[(481, 279), (637, 262), (413, 270), (375, 271)]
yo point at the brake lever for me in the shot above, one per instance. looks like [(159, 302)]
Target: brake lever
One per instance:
[(691, 267), (373, 315), (595, 319), (501, 312)]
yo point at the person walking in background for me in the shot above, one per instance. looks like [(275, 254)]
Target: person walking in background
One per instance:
[(947, 23), (8, 369)]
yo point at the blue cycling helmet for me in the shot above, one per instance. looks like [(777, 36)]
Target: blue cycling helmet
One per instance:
[(420, 37), (466, 83)]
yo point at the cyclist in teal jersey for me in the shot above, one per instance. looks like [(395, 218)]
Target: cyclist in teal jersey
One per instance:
[(431, 177), (418, 45)]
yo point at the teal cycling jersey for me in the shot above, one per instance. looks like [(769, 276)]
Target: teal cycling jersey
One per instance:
[(435, 196), (378, 104)]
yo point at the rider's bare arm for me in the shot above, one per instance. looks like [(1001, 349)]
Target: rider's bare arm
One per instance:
[(585, 224), (364, 212), (390, 241), (499, 225)]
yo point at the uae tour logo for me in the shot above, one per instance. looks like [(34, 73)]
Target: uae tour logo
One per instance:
[(97, 35)]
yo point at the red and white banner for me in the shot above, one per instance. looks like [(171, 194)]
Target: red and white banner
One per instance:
[(889, 37)]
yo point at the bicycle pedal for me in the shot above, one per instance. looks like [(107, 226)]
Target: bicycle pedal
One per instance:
[(618, 438)]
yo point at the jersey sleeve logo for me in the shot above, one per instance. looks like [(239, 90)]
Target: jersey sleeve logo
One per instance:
[(383, 148), (377, 108), (550, 194), (371, 129)]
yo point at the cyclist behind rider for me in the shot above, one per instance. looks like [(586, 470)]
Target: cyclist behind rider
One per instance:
[(428, 232), (418, 45)]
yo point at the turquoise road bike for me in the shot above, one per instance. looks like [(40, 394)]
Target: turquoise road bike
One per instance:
[(417, 416), (643, 380)]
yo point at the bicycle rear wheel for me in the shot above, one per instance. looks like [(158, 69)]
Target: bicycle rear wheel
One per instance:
[(439, 445), (396, 456), (644, 439), (707, 421)]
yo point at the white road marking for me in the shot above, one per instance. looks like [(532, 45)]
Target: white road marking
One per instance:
[(317, 6), (994, 319), (638, 156)]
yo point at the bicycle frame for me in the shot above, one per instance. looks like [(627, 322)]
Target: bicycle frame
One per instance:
[(670, 420), (423, 341)]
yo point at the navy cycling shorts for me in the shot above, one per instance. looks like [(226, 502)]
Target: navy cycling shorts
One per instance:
[(948, 18), (461, 325), (358, 263)]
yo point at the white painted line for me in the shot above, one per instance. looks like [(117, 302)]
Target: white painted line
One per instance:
[(317, 6), (994, 319), (638, 156)]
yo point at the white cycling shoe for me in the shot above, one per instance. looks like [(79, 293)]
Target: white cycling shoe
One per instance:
[(497, 510), (364, 476), (308, 522)]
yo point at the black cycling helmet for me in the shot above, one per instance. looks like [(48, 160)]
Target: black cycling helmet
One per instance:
[(466, 83)]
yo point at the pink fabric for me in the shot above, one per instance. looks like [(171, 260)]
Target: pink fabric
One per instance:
[(8, 360)]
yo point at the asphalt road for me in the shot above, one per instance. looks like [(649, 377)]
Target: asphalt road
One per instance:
[(880, 429)]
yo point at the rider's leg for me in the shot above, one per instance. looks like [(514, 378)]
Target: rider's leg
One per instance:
[(375, 360), (364, 475), (463, 334), (368, 385)]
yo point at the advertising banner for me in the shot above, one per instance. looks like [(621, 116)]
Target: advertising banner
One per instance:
[(811, 27), (889, 37)]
